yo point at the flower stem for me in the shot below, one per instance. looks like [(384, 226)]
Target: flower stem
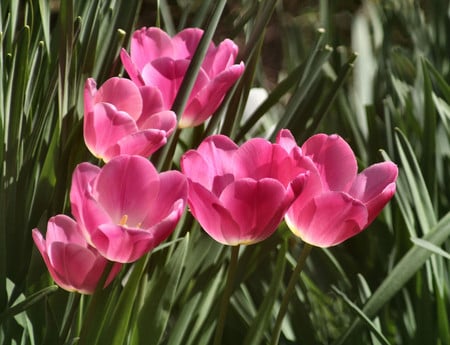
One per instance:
[(288, 293), (226, 294)]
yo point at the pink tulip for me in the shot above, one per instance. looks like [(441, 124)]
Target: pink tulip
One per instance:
[(336, 202), (122, 118), (72, 262), (126, 208), (159, 61), (239, 195)]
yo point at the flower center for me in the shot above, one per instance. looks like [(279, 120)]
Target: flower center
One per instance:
[(123, 220)]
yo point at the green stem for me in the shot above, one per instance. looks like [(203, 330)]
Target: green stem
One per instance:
[(288, 293), (227, 294)]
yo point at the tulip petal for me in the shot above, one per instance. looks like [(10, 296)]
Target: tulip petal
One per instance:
[(147, 44), (257, 206), (130, 67), (143, 143), (205, 101), (211, 215), (327, 219), (220, 58), (104, 127), (127, 186), (165, 121), (185, 43), (375, 186), (123, 94), (152, 99), (334, 159), (121, 244)]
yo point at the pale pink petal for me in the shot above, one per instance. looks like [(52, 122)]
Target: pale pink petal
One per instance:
[(220, 58), (327, 219), (257, 206), (148, 44), (286, 140), (64, 229), (205, 102), (123, 94), (334, 159), (121, 244), (104, 127), (127, 187)]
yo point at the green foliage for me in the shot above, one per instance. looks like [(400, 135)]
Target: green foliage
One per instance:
[(376, 72)]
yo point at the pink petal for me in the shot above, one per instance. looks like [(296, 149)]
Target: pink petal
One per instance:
[(82, 178), (123, 94), (148, 44), (172, 188), (204, 102), (127, 186), (64, 229), (185, 43), (327, 219), (152, 102), (121, 244), (256, 206), (130, 67), (286, 140), (220, 58), (104, 127), (164, 120), (375, 186), (211, 215), (211, 162), (165, 74), (334, 159), (143, 143)]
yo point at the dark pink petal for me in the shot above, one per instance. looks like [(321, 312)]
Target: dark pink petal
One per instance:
[(122, 244), (220, 58), (204, 103), (212, 216), (257, 206), (123, 94), (165, 74), (148, 44), (104, 127), (127, 187), (81, 187), (334, 159), (327, 219), (185, 43), (375, 186)]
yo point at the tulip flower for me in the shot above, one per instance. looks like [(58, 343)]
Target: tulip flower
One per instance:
[(126, 208), (239, 195), (336, 202), (122, 118), (73, 264), (159, 61)]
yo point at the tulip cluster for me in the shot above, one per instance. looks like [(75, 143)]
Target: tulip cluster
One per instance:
[(238, 194)]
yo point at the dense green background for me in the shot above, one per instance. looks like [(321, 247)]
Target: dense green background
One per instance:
[(375, 72)]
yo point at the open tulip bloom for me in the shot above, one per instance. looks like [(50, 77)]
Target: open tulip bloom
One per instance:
[(73, 264), (159, 61), (126, 208), (239, 195), (122, 118), (336, 202)]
